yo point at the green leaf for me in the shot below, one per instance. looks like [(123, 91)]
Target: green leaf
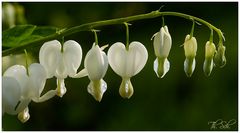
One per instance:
[(21, 34)]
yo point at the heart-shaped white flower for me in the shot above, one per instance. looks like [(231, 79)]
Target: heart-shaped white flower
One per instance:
[(127, 63), (31, 84), (96, 64), (61, 61)]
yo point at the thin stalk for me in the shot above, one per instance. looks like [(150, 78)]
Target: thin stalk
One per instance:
[(95, 36), (89, 26), (127, 35), (211, 37), (192, 30), (26, 56)]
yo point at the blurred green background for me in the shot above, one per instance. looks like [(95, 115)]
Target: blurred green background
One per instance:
[(175, 102)]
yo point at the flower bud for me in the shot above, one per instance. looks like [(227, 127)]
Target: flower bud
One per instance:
[(190, 48), (162, 44), (209, 54), (219, 58)]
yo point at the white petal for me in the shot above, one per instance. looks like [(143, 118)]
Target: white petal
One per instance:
[(127, 63), (11, 93), (20, 74), (164, 68), (72, 54), (37, 76), (117, 56), (156, 43), (45, 97), (23, 104), (137, 58), (97, 88), (189, 66), (81, 74), (49, 56), (162, 43), (61, 70), (96, 63), (166, 44)]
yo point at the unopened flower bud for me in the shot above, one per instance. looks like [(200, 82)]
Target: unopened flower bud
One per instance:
[(162, 44), (219, 58), (209, 54), (190, 49)]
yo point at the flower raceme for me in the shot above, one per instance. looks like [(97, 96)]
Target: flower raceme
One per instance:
[(190, 49), (96, 65), (127, 63), (60, 61), (162, 44), (24, 85)]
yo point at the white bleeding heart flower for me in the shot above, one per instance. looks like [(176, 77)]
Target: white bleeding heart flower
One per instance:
[(190, 49), (96, 64), (127, 63), (60, 61), (31, 83), (162, 44), (210, 51)]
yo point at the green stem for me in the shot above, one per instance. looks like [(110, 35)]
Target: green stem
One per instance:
[(62, 44), (127, 35), (163, 23), (89, 26), (192, 30), (95, 36), (211, 36), (26, 56)]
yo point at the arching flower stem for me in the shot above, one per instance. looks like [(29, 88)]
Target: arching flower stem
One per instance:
[(89, 26)]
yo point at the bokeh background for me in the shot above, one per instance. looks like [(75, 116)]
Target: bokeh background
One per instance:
[(174, 103)]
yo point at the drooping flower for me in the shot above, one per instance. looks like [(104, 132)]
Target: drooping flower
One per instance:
[(162, 44), (60, 61), (219, 58), (190, 48), (31, 83), (127, 63), (96, 64), (210, 50)]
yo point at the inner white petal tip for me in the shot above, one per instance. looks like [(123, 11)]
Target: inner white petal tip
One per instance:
[(161, 68), (97, 89)]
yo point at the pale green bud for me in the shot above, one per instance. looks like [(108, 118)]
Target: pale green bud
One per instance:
[(162, 44), (210, 50), (219, 58), (190, 46), (190, 49), (126, 88)]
